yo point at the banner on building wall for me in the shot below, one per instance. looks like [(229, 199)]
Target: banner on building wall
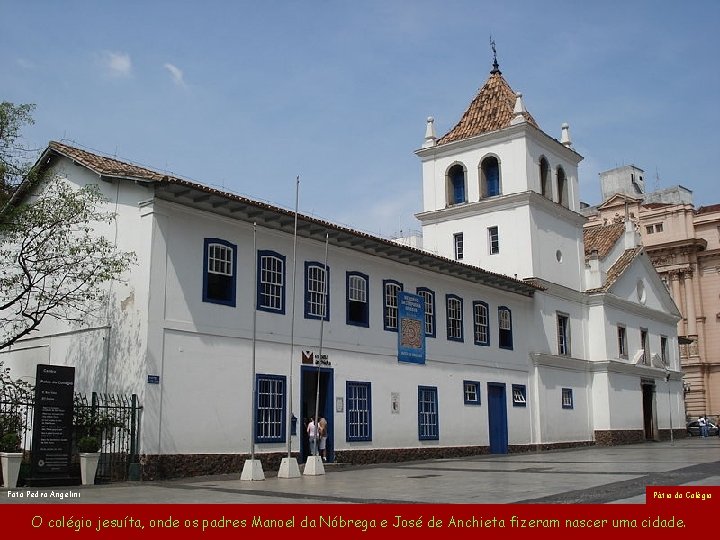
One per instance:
[(411, 328)]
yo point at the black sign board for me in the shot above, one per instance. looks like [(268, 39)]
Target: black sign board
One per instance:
[(52, 425)]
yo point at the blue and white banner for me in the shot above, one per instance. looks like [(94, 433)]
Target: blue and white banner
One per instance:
[(411, 331)]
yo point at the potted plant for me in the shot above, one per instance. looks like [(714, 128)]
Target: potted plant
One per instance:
[(89, 450), (11, 457)]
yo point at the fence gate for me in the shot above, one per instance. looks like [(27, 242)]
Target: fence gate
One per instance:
[(115, 420)]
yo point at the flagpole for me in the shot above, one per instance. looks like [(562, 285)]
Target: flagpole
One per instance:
[(289, 466), (252, 468), (315, 465)]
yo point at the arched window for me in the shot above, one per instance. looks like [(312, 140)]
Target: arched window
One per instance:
[(562, 185), (456, 184), (490, 177), (546, 188)]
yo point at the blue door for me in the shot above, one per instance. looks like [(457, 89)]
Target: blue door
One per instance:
[(316, 385), (497, 418)]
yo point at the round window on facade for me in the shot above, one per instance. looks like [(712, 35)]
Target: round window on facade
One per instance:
[(558, 256), (641, 291)]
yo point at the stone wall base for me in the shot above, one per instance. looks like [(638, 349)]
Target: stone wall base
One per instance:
[(678, 433), (611, 437), (160, 467)]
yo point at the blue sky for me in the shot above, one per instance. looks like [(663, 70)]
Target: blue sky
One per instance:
[(245, 96)]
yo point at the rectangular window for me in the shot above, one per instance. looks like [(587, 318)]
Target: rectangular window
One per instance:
[(219, 273), (271, 282), (429, 299), (481, 323), (567, 398), (658, 227), (428, 421), (390, 304), (645, 346), (563, 334), (519, 393), (505, 337), (454, 317), (270, 408), (471, 391), (649, 229), (458, 241), (357, 313), (317, 295), (664, 351), (358, 417), (622, 342), (493, 241)]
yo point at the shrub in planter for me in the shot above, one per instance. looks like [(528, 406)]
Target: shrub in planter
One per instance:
[(10, 442), (88, 445)]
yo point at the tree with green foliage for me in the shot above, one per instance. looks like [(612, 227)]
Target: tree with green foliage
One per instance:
[(14, 155), (52, 261)]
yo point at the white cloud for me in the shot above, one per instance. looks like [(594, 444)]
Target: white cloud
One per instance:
[(176, 73), (117, 64)]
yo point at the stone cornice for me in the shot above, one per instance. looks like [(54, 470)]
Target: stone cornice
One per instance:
[(494, 204), (601, 366)]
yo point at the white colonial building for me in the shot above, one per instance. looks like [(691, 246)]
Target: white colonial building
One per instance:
[(530, 336)]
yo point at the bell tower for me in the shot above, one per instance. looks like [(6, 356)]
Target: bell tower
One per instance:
[(501, 194)]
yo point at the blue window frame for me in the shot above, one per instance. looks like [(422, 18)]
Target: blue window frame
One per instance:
[(454, 313), (505, 332), (391, 288), (458, 244), (493, 241), (471, 392), (567, 398), (491, 176), (271, 282), (317, 291), (481, 323), (220, 272), (270, 408), (357, 311), (519, 395), (456, 179), (429, 298), (358, 418), (428, 417)]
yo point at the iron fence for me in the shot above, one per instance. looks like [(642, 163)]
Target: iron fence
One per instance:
[(114, 419)]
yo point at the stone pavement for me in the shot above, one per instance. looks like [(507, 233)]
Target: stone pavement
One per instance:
[(616, 474)]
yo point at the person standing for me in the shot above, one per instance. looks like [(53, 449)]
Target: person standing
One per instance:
[(702, 422), (322, 432), (312, 436)]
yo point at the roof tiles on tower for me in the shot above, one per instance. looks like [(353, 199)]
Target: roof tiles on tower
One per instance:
[(490, 110), (602, 238)]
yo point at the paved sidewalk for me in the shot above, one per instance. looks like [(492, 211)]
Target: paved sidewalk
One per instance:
[(586, 475)]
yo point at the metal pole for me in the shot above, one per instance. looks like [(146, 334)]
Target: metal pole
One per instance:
[(322, 321), (667, 379), (253, 427), (292, 324)]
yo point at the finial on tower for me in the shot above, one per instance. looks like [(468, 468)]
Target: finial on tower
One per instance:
[(430, 137), (519, 111), (496, 66), (565, 137)]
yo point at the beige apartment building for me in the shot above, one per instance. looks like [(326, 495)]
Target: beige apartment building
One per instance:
[(684, 245)]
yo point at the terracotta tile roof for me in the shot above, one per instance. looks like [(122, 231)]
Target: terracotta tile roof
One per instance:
[(491, 110), (617, 269), (602, 238), (708, 209), (113, 167), (106, 165)]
